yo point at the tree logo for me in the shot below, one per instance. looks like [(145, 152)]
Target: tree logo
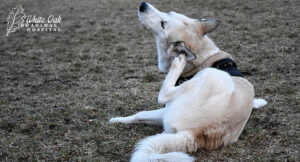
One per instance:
[(32, 23), (15, 19)]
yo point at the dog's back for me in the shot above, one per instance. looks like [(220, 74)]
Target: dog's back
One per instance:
[(228, 128), (215, 115)]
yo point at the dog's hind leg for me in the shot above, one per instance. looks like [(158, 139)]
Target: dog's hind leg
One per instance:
[(168, 90), (149, 117)]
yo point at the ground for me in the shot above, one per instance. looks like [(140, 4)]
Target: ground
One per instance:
[(58, 90)]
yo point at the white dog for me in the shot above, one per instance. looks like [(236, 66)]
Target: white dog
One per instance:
[(207, 110)]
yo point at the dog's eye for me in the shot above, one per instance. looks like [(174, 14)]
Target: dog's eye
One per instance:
[(162, 24)]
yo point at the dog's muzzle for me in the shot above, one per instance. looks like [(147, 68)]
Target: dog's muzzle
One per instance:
[(143, 7)]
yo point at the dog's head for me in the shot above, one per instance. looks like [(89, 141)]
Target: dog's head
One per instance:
[(175, 33)]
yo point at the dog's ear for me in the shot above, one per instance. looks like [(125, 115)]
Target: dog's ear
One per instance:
[(180, 48), (209, 25)]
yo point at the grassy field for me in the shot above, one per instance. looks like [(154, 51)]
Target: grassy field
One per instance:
[(58, 90)]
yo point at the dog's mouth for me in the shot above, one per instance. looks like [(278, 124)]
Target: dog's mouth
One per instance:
[(143, 9), (143, 12), (149, 17)]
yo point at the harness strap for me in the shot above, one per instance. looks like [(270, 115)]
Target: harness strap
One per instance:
[(229, 66), (226, 64)]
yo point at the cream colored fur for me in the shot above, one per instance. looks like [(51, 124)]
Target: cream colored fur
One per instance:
[(205, 112)]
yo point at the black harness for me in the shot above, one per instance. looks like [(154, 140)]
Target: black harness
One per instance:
[(227, 65)]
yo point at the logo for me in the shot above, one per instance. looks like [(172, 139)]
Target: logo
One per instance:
[(17, 19)]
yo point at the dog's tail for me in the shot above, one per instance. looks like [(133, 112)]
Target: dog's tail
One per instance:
[(165, 147), (259, 102)]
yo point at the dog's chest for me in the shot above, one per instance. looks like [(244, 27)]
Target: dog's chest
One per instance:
[(188, 67)]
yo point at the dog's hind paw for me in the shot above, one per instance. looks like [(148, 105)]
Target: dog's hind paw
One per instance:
[(179, 62)]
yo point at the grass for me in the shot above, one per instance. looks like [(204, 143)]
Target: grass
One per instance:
[(109, 64)]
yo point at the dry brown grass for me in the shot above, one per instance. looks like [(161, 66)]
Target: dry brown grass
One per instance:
[(110, 61)]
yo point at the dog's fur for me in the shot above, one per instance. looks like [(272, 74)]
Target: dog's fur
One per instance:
[(205, 112)]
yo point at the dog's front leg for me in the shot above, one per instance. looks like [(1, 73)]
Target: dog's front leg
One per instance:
[(149, 117), (168, 90)]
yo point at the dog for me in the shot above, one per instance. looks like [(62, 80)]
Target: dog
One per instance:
[(207, 100)]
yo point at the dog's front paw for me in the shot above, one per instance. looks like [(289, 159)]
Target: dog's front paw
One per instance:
[(115, 120), (124, 120)]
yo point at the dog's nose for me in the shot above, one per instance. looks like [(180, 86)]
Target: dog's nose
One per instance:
[(143, 7)]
